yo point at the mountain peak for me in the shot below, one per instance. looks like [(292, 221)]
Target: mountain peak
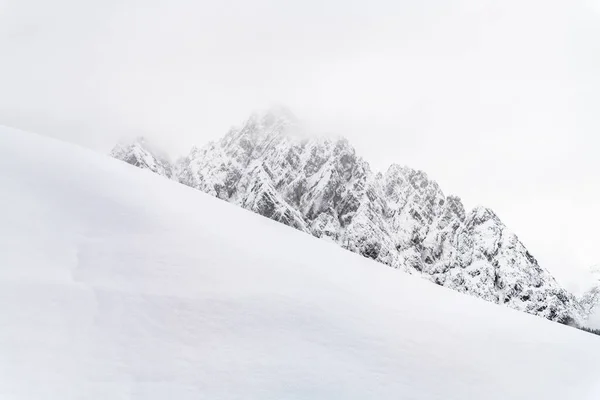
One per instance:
[(142, 154), (278, 114), (274, 117), (482, 214), (400, 218), (264, 126)]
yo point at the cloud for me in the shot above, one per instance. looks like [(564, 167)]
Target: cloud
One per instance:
[(496, 100)]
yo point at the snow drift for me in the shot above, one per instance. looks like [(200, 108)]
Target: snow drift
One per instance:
[(118, 284)]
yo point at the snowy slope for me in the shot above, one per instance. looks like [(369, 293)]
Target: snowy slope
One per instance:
[(117, 284), (400, 218)]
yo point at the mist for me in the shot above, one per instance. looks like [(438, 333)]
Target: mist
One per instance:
[(497, 101)]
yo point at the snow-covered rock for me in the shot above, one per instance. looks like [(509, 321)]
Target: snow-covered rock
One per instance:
[(590, 300), (141, 154), (400, 218)]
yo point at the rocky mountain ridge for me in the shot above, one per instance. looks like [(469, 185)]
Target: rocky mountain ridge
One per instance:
[(400, 217)]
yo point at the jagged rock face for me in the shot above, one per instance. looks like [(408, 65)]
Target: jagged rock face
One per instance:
[(400, 218), (590, 301), (139, 154), (505, 272)]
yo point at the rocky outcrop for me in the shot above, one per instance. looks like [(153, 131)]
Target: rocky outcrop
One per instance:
[(140, 154)]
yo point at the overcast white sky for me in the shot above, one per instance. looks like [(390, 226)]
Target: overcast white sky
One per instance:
[(497, 100)]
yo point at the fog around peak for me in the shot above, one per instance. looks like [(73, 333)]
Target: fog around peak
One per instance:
[(496, 101)]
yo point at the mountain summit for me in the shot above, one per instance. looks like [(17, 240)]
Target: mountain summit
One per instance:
[(141, 154), (400, 217)]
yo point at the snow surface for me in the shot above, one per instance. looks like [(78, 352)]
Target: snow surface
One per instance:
[(118, 284)]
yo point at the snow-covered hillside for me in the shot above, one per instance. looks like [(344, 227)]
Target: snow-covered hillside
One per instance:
[(118, 284), (400, 218)]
